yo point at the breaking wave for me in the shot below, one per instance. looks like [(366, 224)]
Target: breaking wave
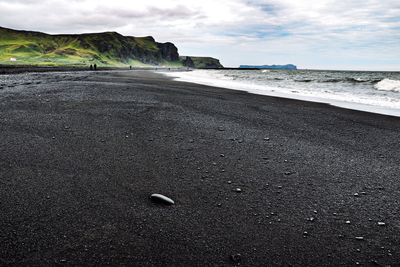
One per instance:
[(388, 85)]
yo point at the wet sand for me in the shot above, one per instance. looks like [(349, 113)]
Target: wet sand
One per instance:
[(80, 154)]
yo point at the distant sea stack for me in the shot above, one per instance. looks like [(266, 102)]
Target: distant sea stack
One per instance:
[(201, 62), (270, 67), (109, 49)]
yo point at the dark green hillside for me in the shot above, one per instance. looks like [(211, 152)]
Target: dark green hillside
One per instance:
[(103, 49)]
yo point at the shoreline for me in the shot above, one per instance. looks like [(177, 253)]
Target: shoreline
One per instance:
[(259, 90), (12, 69), (81, 154)]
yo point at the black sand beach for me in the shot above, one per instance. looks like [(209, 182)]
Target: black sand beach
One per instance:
[(80, 154)]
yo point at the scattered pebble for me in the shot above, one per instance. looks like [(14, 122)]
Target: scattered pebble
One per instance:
[(311, 219), (305, 233), (381, 223), (222, 155), (266, 139), (356, 195), (238, 190), (376, 262), (229, 182), (221, 129), (236, 258), (359, 238), (348, 222), (162, 199)]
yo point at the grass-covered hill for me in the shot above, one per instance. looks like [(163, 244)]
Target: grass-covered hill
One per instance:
[(104, 49)]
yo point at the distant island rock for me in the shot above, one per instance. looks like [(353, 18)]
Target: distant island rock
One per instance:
[(270, 67), (201, 62), (109, 49)]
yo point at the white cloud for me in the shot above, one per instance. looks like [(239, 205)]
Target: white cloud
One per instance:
[(310, 33)]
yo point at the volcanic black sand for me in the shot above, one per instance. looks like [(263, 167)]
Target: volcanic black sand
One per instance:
[(80, 154)]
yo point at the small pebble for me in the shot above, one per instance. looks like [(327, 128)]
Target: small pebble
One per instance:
[(348, 222), (381, 223), (305, 233), (238, 190), (222, 155), (359, 238), (236, 258), (162, 199), (356, 194), (229, 182)]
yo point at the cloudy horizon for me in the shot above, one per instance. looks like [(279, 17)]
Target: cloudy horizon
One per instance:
[(324, 34)]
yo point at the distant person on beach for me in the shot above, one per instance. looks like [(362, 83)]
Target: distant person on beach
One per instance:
[(91, 67), (95, 67), (130, 67)]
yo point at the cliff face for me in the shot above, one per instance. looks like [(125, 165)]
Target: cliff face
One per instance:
[(109, 48), (201, 62)]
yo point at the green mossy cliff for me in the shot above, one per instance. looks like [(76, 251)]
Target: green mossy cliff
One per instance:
[(104, 49)]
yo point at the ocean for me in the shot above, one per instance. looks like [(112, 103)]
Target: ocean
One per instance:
[(377, 92)]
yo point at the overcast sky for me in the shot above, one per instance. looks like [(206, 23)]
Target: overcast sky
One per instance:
[(318, 34)]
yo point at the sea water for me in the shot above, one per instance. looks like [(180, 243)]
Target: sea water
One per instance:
[(377, 92)]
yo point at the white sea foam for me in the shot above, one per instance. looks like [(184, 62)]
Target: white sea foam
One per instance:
[(388, 85), (362, 96)]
